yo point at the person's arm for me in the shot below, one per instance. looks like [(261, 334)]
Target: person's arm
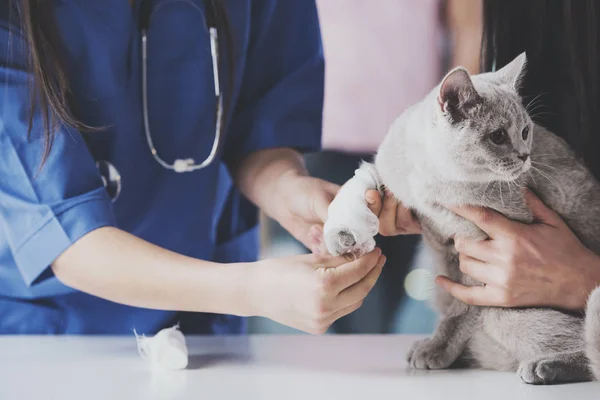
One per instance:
[(306, 292), (539, 265), (58, 220), (465, 22), (276, 181), (260, 175), (279, 116), (117, 266)]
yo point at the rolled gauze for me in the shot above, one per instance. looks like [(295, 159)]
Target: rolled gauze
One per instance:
[(165, 350)]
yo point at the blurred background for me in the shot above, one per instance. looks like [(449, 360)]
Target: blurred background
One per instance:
[(381, 57)]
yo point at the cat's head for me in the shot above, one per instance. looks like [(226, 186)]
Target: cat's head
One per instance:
[(484, 131)]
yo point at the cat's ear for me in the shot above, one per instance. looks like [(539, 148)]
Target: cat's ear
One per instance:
[(512, 74), (458, 95)]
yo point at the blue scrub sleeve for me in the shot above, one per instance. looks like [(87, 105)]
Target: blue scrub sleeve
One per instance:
[(42, 211), (281, 96)]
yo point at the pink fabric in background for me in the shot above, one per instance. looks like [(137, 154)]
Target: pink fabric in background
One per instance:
[(381, 57)]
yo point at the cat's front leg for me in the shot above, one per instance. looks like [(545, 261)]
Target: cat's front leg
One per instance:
[(449, 340), (351, 226)]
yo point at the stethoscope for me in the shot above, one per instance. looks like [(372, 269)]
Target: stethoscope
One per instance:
[(110, 176)]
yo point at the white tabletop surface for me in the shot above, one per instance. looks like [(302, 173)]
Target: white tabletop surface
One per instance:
[(251, 367)]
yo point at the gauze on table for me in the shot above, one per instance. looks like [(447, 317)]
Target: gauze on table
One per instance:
[(166, 350)]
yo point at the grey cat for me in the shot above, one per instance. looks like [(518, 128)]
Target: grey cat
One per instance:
[(471, 142)]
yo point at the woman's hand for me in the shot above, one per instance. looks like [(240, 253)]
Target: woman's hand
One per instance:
[(276, 180), (311, 213), (543, 264), (310, 199), (306, 292), (394, 218), (310, 292), (304, 209)]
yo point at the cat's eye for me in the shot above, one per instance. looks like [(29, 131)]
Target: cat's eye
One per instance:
[(525, 133), (499, 137)]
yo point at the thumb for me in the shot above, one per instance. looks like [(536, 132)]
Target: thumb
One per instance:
[(374, 202), (540, 211), (352, 272), (316, 243)]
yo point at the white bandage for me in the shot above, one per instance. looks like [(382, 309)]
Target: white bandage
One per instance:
[(351, 225), (166, 350)]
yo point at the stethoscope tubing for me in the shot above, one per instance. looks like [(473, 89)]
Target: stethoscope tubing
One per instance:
[(186, 165), (110, 176)]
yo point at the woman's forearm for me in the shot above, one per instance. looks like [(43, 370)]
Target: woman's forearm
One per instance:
[(260, 175), (465, 20), (277, 181), (117, 266)]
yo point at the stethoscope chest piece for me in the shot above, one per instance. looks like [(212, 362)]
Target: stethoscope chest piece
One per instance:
[(111, 179)]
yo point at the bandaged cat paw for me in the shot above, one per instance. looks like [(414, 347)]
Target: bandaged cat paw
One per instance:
[(351, 225)]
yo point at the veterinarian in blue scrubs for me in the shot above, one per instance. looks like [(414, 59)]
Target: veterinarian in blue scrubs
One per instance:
[(102, 230)]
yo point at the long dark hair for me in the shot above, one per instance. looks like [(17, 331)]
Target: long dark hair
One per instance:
[(562, 39), (49, 87)]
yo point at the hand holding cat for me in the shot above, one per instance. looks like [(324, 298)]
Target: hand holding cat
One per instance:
[(394, 218), (543, 264)]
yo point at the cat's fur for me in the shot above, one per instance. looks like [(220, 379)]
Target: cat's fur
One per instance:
[(440, 152)]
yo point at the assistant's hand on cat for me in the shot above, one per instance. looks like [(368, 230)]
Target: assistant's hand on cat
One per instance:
[(543, 264), (394, 218)]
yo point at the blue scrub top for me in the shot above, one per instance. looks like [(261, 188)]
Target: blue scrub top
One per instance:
[(277, 102)]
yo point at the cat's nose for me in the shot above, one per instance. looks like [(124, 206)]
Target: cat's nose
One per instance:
[(523, 157)]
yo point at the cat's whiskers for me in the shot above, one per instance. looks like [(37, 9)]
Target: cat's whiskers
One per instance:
[(512, 183), (540, 114), (556, 170), (534, 99), (515, 182), (532, 177), (550, 180), (509, 185), (483, 198), (535, 106), (537, 110), (548, 155), (532, 103), (546, 165)]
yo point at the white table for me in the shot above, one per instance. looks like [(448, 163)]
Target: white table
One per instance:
[(255, 367)]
